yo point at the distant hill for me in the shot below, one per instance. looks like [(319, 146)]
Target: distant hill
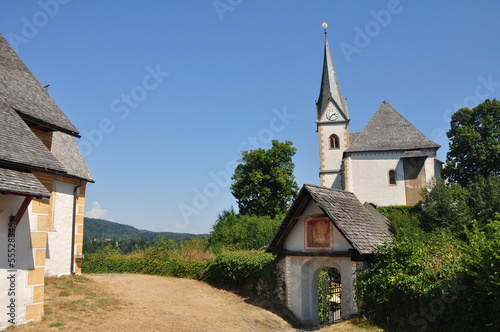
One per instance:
[(99, 229)]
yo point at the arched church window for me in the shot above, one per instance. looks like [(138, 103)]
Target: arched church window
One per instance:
[(334, 142), (392, 177)]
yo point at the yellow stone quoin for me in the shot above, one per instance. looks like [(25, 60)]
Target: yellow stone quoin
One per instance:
[(34, 312)]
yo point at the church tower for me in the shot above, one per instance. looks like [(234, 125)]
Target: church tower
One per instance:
[(332, 119)]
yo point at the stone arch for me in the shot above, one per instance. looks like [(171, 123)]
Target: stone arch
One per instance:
[(304, 297)]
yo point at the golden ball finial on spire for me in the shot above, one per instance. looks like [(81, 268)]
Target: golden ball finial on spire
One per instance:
[(324, 25)]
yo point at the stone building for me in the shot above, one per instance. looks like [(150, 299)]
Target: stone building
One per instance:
[(325, 228), (388, 163), (42, 191)]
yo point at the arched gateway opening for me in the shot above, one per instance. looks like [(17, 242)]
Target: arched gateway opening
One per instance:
[(329, 296)]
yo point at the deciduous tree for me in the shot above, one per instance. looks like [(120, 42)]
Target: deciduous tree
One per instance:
[(474, 143), (263, 182)]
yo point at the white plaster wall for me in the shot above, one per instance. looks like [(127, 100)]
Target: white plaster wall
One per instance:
[(9, 205), (58, 260), (347, 163), (302, 283), (369, 181), (431, 171), (333, 157), (369, 178), (332, 180), (295, 241)]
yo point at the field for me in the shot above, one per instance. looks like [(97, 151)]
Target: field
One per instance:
[(128, 302)]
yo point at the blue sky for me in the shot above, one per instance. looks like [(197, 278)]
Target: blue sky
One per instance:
[(167, 93)]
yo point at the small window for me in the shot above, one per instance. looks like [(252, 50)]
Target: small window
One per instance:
[(334, 142), (392, 177)]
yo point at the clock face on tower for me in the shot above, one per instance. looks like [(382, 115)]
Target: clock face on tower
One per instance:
[(332, 115)]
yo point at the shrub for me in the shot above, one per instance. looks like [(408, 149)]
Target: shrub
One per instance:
[(406, 277), (447, 207), (108, 260), (241, 232), (237, 268), (405, 220)]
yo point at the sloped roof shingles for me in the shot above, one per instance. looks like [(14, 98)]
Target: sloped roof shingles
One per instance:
[(388, 130), (66, 151), (21, 183), (359, 226), (19, 145), (20, 90)]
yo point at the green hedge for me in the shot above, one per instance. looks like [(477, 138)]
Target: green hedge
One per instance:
[(230, 269), (238, 268), (184, 268), (96, 263), (422, 286)]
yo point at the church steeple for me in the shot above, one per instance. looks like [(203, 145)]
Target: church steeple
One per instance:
[(332, 121), (330, 89)]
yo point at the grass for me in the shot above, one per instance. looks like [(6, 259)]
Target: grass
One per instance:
[(354, 324), (69, 302)]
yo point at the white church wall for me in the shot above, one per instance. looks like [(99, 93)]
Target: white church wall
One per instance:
[(369, 178), (331, 158), (59, 254), (21, 268), (431, 171)]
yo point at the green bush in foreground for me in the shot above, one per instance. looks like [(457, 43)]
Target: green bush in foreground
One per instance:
[(237, 268)]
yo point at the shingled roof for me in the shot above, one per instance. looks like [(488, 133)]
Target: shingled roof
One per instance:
[(21, 183), (20, 90), (20, 147), (24, 103), (388, 130), (363, 229), (66, 151)]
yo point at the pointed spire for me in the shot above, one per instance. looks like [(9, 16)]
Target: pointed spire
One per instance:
[(330, 87)]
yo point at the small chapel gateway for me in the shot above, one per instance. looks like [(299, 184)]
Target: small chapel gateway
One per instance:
[(327, 227), (42, 192)]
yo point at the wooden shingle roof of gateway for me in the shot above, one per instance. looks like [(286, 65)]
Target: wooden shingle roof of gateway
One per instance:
[(20, 90), (388, 130), (362, 228)]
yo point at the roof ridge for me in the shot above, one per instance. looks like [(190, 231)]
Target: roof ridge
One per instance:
[(21, 90), (388, 130)]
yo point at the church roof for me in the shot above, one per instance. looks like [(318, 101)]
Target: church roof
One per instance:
[(330, 87), (21, 183), (20, 147), (388, 130), (24, 103), (362, 228), (20, 90), (66, 151)]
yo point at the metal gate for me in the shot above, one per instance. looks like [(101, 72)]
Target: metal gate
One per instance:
[(329, 296)]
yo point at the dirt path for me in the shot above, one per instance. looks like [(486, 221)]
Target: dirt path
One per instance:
[(133, 302), (169, 304)]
